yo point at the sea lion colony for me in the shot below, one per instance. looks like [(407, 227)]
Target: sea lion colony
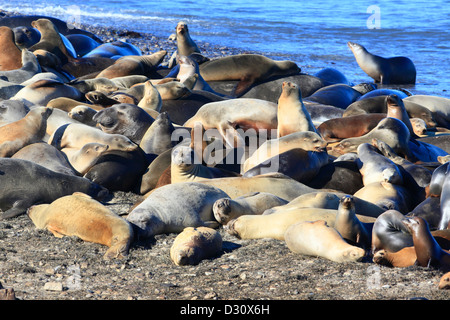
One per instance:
[(108, 113)]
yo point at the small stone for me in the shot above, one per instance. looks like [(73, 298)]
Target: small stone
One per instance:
[(211, 295), (53, 286)]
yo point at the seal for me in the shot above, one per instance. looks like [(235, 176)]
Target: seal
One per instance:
[(248, 69), (396, 109), (274, 225), (107, 86), (36, 185), (171, 208), (83, 159), (429, 252), (350, 227), (125, 119), (299, 164), (47, 156), (334, 130), (158, 137), (152, 98), (292, 114), (390, 233), (337, 95), (256, 203), (375, 167), (76, 135), (394, 70), (316, 238), (23, 132), (193, 245), (387, 196), (40, 92), (83, 114), (30, 67), (436, 104), (10, 54), (133, 65), (332, 75), (82, 216), (230, 115), (419, 126), (306, 140), (185, 44), (25, 36)]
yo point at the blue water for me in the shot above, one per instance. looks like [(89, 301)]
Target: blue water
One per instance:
[(313, 34)]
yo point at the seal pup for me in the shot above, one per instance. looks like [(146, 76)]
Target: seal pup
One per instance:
[(193, 245), (248, 69), (82, 216), (20, 133), (226, 209), (10, 54), (36, 185), (292, 114), (316, 238), (395, 70)]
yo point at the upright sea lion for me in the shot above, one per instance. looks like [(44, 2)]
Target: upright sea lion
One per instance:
[(395, 70), (292, 114), (82, 216), (247, 68), (185, 44), (38, 184), (316, 238), (10, 54), (30, 129), (396, 109), (195, 244), (158, 137)]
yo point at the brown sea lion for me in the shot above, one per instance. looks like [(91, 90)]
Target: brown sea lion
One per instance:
[(10, 54)]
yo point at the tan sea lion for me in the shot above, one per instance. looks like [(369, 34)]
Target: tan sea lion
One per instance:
[(292, 113), (444, 282), (83, 114), (395, 70), (83, 159), (151, 99), (67, 104), (30, 129), (10, 54), (316, 238), (185, 44), (82, 216), (249, 69), (419, 126), (439, 106), (195, 244), (226, 209), (403, 258)]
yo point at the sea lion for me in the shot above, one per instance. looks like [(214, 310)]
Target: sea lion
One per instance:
[(387, 196), (349, 226), (375, 167), (10, 54), (430, 210), (437, 179), (332, 75), (337, 95), (390, 233), (171, 208), (36, 185), (47, 156), (104, 85), (158, 137), (336, 129), (274, 225), (292, 114), (401, 94), (114, 50), (395, 70), (248, 69), (83, 159), (8, 89), (125, 119), (231, 116), (30, 67), (306, 140), (82, 216), (76, 135), (12, 110), (444, 282), (226, 209), (396, 109), (195, 244), (26, 36), (82, 43), (299, 164), (402, 258), (42, 91), (154, 171), (23, 132), (316, 238), (429, 252), (188, 68), (133, 65), (419, 126), (439, 106), (151, 99), (185, 44), (83, 114), (445, 199)]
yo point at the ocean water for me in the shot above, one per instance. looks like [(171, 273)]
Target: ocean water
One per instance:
[(314, 34)]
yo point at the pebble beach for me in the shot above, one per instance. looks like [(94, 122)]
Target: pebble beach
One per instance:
[(39, 266)]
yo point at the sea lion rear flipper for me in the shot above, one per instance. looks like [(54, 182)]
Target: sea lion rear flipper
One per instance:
[(55, 232), (242, 87)]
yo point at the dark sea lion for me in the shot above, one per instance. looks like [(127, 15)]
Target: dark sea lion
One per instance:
[(27, 184), (114, 50), (332, 75), (383, 92), (338, 95), (82, 43), (247, 68), (10, 54), (395, 70), (30, 67), (25, 37), (430, 210)]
